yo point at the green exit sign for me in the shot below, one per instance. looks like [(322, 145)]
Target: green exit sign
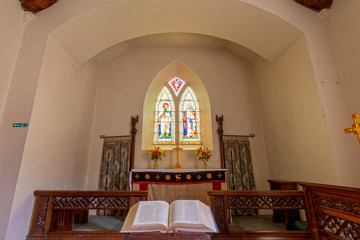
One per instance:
[(20, 124)]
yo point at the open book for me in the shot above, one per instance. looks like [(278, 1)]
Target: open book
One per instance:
[(179, 216)]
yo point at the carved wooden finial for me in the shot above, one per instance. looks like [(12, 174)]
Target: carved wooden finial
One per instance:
[(36, 6), (220, 132), (220, 121), (134, 120), (355, 127)]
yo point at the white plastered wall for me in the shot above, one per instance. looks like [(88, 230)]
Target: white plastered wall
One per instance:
[(57, 147), (12, 23), (296, 138), (21, 58), (123, 84), (344, 26), (333, 97)]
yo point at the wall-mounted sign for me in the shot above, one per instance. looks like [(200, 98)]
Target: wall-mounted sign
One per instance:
[(20, 124)]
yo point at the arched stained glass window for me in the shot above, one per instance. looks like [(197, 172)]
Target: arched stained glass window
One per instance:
[(176, 84), (189, 118), (164, 126)]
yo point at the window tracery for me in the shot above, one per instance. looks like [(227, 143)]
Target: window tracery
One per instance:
[(188, 116)]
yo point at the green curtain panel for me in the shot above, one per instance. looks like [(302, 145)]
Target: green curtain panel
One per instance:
[(240, 173), (115, 166)]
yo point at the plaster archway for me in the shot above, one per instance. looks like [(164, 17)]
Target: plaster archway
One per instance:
[(256, 29)]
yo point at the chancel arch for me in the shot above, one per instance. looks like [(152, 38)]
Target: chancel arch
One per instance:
[(195, 88)]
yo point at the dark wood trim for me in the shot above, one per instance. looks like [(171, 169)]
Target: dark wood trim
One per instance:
[(254, 193), (331, 188), (89, 193), (245, 235)]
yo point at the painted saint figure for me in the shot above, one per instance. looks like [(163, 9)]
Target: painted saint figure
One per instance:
[(164, 122), (189, 123)]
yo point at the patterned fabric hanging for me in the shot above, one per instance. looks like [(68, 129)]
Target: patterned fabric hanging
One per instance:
[(240, 173), (115, 166)]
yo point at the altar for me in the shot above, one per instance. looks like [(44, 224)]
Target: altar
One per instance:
[(174, 184)]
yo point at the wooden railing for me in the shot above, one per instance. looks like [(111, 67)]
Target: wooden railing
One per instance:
[(223, 201), (333, 212), (55, 211)]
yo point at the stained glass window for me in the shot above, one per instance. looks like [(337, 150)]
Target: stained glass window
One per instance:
[(164, 125), (176, 84), (189, 118)]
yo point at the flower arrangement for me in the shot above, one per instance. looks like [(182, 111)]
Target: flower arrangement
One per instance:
[(156, 153), (203, 153)]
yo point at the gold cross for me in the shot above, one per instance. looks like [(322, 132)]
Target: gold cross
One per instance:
[(219, 175), (157, 177), (137, 176), (198, 177), (356, 126), (177, 149)]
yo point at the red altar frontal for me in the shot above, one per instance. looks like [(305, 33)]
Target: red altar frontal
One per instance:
[(174, 184)]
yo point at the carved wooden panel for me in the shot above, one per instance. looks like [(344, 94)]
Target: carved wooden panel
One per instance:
[(55, 212), (341, 205), (316, 5), (220, 214), (90, 202), (135, 200), (338, 227), (35, 6), (41, 215), (265, 202)]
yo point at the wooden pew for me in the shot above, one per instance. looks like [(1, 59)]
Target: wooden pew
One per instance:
[(54, 212)]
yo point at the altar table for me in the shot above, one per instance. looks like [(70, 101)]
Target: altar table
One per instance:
[(174, 184)]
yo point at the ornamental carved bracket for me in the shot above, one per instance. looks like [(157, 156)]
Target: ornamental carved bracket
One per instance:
[(315, 5), (36, 6)]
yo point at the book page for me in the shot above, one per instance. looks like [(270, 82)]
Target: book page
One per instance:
[(185, 211), (152, 212), (191, 216)]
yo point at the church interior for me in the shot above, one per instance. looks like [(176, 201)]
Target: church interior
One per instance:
[(284, 71)]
